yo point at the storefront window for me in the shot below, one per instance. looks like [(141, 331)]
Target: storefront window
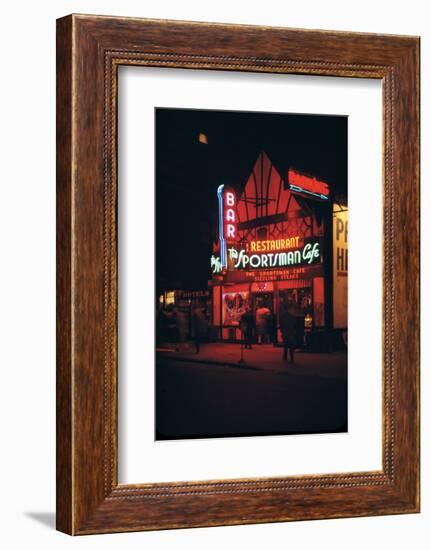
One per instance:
[(234, 306), (300, 299)]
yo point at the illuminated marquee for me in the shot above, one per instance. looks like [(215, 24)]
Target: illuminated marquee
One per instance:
[(300, 183), (227, 221), (308, 254), (269, 254)]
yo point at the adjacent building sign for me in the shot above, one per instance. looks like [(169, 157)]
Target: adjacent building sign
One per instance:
[(340, 267)]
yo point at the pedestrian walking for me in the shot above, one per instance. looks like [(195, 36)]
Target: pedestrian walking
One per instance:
[(288, 332), (199, 327), (171, 326), (182, 328), (247, 326)]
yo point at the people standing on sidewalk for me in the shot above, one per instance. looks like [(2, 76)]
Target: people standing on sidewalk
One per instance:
[(199, 327), (182, 327), (247, 326), (262, 313), (171, 326), (288, 332)]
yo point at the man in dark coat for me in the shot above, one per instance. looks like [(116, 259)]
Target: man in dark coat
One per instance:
[(288, 332), (199, 326), (247, 326)]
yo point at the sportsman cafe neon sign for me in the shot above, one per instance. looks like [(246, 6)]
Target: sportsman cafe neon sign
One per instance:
[(258, 254)]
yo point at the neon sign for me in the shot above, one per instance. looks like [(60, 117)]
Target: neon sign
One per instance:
[(216, 266), (227, 224), (274, 244), (300, 183), (268, 254), (229, 216), (308, 254)]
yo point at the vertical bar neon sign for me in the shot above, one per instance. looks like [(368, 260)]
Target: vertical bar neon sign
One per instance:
[(227, 221), (223, 252), (230, 216)]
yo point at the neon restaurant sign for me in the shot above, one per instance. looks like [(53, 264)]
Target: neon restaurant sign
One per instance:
[(244, 259), (307, 255), (257, 254)]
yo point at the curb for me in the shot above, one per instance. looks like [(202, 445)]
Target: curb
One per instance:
[(209, 361)]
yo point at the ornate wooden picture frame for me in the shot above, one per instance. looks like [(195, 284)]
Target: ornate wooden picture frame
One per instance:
[(89, 51)]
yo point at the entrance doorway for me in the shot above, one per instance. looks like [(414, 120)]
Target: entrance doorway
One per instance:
[(263, 299), (263, 309)]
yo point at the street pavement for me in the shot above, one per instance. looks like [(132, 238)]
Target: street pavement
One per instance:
[(263, 357), (211, 395)]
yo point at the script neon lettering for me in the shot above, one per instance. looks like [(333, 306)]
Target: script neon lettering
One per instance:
[(310, 252)]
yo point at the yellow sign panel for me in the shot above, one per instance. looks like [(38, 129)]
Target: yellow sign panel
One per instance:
[(340, 267)]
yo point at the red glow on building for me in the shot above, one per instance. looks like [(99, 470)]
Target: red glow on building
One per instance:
[(274, 253)]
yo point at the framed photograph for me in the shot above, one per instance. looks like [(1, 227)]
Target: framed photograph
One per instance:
[(237, 274), (251, 258)]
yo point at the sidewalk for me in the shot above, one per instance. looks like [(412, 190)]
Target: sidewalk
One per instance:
[(263, 357)]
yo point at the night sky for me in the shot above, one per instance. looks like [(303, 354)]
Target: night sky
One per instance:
[(189, 172)]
